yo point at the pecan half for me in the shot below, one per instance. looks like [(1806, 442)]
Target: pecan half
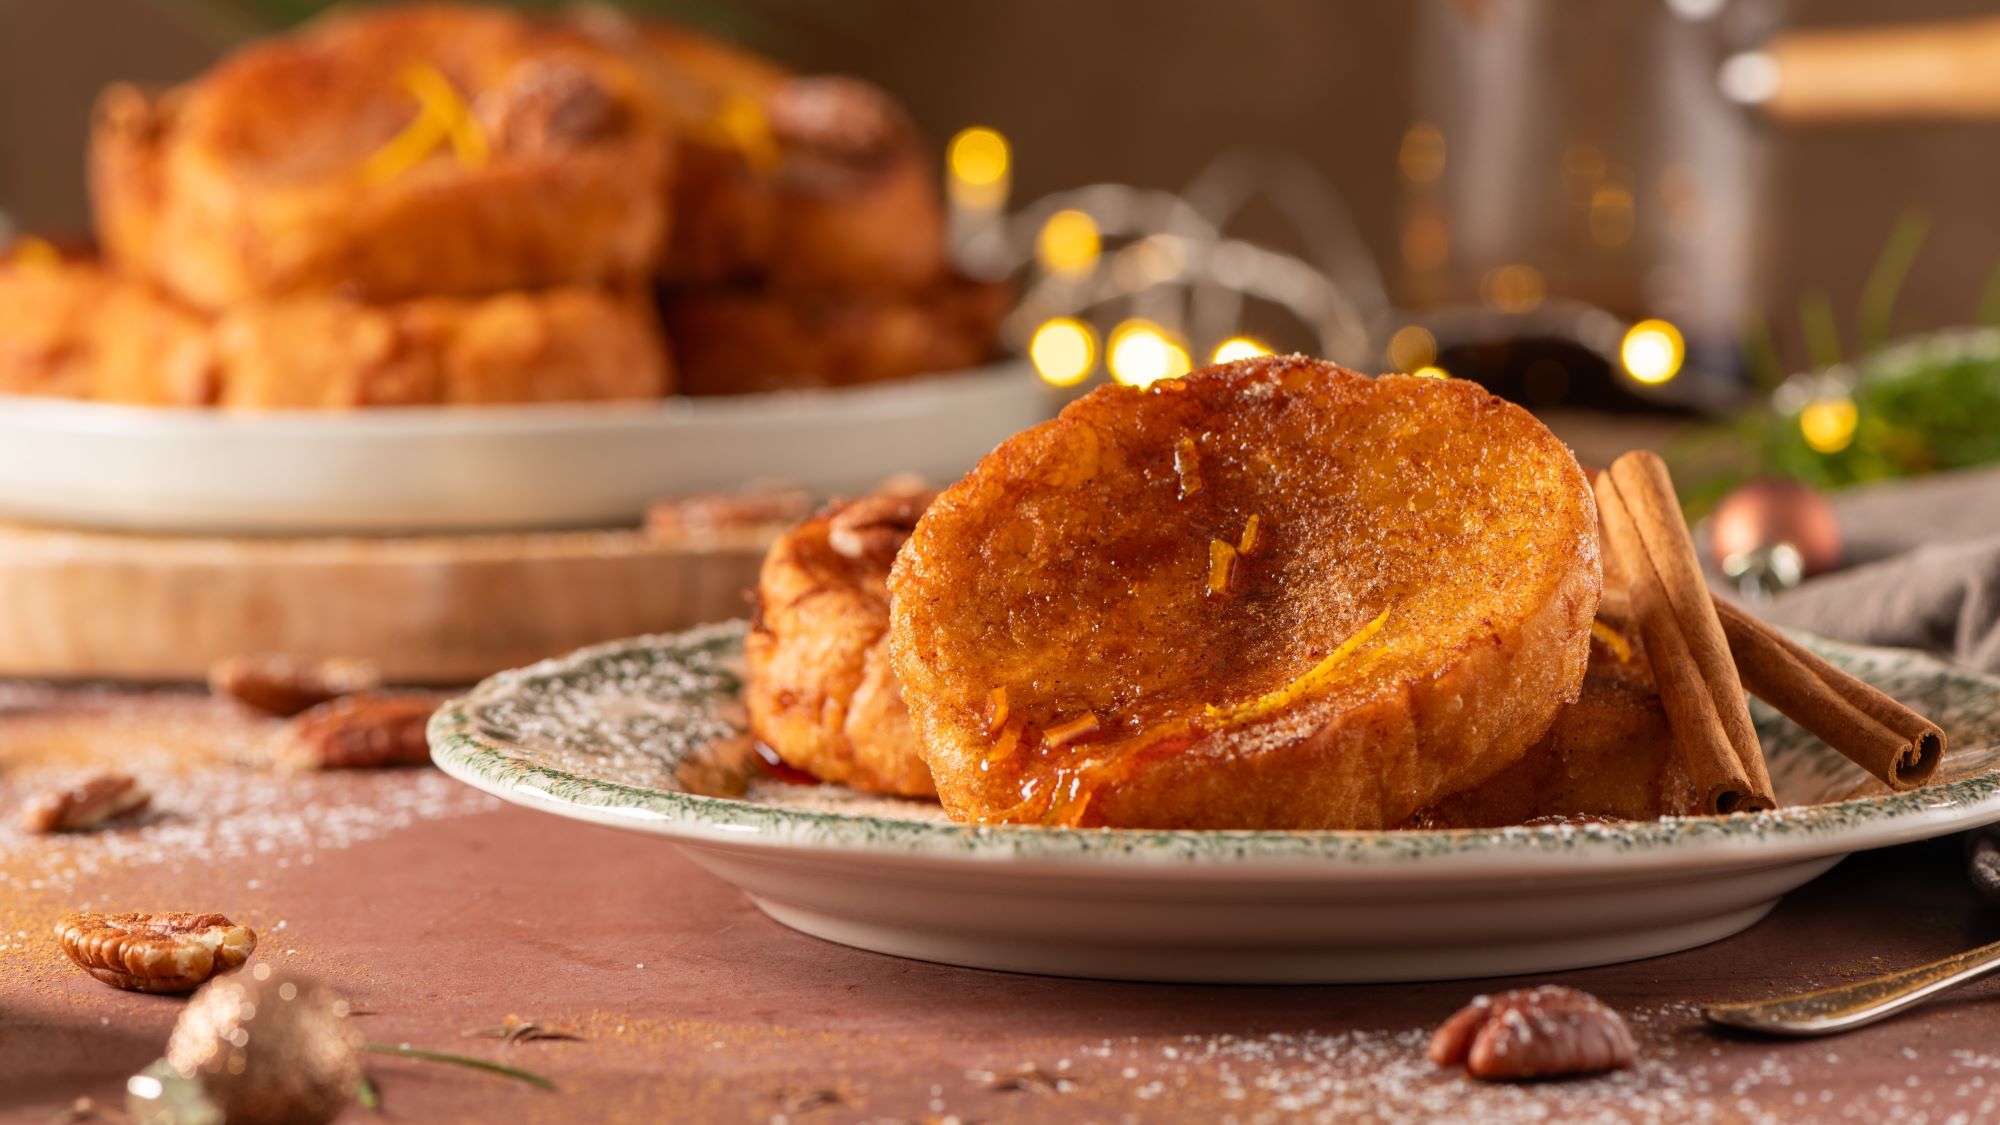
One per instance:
[(1545, 1032), (286, 685), (707, 514), (95, 802), (360, 732), (172, 952), (874, 527)]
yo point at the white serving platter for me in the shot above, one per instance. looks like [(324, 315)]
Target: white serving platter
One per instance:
[(627, 734), (439, 469)]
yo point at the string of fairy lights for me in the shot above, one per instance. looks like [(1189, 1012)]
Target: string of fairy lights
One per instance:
[(1140, 281), (1139, 284)]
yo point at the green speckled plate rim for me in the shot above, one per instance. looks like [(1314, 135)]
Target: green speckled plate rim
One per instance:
[(508, 770)]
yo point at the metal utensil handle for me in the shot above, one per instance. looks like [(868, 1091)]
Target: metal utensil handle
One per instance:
[(1854, 1005)]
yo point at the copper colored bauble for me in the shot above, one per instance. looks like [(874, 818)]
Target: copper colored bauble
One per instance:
[(1766, 514), (269, 1048)]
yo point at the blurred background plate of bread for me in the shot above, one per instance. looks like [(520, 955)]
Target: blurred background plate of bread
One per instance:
[(437, 206), (451, 204)]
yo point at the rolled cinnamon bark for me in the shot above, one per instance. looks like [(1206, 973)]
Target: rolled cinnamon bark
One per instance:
[(1895, 744), (1722, 776), (1647, 491)]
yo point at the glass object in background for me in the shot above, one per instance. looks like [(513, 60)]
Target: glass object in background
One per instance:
[(1575, 168)]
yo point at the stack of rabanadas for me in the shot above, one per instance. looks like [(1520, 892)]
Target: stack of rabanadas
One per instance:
[(1276, 594)]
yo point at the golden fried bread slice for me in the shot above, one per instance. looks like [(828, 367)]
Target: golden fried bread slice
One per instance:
[(152, 350), (820, 689), (47, 309), (1272, 594), (857, 198), (560, 345), (794, 181), (386, 154), (72, 328), (723, 192), (68, 328), (729, 341), (1610, 755)]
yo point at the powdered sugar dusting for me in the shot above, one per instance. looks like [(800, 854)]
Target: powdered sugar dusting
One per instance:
[(629, 710), (1682, 1074), (217, 801)]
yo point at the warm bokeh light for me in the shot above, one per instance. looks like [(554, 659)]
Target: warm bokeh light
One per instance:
[(1420, 158), (1584, 167), (1513, 289), (1063, 351), (1432, 372), (1611, 216), (1142, 354), (1239, 347), (1069, 242), (1412, 347), (978, 156), (1652, 351), (1828, 423), (1682, 199), (1426, 239)]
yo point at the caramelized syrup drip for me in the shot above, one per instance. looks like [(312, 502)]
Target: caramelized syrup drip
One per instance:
[(1061, 796), (1008, 741), (777, 769)]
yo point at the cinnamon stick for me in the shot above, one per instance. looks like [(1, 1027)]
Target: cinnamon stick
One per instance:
[(1895, 744), (1699, 688)]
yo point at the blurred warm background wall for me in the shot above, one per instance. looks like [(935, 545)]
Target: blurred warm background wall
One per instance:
[(1140, 91)]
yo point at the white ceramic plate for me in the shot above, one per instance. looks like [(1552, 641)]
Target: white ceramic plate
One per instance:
[(634, 733), (487, 468)]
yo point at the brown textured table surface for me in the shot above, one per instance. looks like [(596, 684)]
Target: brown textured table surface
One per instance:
[(438, 911)]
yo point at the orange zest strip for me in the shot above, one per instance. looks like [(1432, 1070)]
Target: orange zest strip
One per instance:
[(996, 711), (1221, 565), (1076, 730), (1187, 462), (441, 99), (442, 116), (1009, 740), (1305, 685), (1609, 638), (1248, 542), (740, 124), (1061, 796)]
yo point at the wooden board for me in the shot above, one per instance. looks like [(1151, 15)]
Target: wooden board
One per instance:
[(429, 609)]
